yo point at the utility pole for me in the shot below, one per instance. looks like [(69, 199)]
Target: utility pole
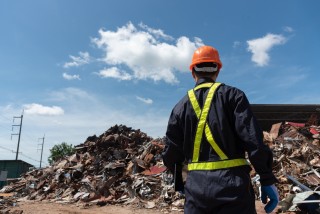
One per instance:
[(20, 127), (41, 149)]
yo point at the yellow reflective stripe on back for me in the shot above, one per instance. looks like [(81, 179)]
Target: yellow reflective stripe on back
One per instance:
[(203, 125), (193, 98), (213, 143), (218, 164), (204, 85), (194, 103), (208, 133), (202, 122)]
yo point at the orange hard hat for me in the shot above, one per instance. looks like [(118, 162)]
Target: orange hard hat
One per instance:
[(205, 54)]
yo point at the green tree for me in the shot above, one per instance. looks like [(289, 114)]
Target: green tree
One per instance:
[(59, 151)]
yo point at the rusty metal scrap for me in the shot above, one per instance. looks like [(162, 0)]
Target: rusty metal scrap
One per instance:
[(122, 165), (296, 165), (6, 202)]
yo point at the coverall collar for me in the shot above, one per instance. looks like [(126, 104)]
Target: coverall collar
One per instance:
[(204, 80)]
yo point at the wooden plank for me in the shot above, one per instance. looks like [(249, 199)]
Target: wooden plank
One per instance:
[(274, 132)]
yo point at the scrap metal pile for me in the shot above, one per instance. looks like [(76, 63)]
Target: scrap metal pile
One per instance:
[(296, 150), (124, 166), (121, 166)]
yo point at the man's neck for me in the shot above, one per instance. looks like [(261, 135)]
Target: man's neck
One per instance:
[(207, 79), (204, 80)]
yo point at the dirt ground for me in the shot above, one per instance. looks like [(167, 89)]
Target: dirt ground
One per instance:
[(37, 207)]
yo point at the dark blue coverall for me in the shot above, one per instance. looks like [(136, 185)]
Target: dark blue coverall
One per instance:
[(235, 130)]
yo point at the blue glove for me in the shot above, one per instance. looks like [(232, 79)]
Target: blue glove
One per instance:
[(270, 192)]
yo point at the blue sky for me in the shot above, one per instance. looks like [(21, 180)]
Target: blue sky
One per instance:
[(78, 67)]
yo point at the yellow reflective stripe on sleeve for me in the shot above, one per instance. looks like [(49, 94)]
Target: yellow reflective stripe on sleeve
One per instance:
[(202, 122), (218, 164), (213, 143)]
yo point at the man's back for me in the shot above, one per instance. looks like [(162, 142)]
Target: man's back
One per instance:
[(212, 128)]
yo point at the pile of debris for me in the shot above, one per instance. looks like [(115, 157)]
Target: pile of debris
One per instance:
[(6, 202), (296, 150), (122, 165)]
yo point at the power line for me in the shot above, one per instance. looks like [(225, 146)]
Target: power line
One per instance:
[(5, 117), (26, 156), (19, 138), (7, 149), (4, 126), (22, 154), (29, 136), (25, 134)]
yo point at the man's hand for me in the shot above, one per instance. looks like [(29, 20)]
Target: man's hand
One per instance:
[(270, 192)]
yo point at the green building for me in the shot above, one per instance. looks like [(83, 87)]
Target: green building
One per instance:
[(10, 169)]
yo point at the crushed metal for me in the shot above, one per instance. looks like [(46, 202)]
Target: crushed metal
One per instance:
[(124, 166), (296, 164), (121, 166)]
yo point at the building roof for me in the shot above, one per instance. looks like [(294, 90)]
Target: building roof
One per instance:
[(269, 114), (21, 161)]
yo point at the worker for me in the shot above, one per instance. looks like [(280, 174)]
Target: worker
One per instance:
[(211, 129)]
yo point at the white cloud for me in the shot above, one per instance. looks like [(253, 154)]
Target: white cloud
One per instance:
[(144, 54), (288, 29), (145, 100), (6, 107), (76, 61), (261, 46), (84, 118), (70, 77), (157, 32), (39, 109), (236, 44), (116, 73), (69, 94)]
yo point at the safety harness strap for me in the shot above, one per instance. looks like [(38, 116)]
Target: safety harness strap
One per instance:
[(203, 85), (203, 127), (218, 164), (201, 124), (213, 143), (202, 116)]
